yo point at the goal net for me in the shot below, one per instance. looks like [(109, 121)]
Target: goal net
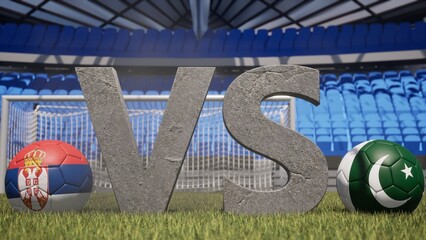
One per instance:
[(212, 153)]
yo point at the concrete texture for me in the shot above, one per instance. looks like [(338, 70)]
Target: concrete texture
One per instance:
[(137, 189), (303, 160)]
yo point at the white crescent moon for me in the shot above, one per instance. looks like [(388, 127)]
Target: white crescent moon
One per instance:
[(377, 189)]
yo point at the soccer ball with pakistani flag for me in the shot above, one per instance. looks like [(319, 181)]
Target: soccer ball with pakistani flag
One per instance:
[(380, 175)]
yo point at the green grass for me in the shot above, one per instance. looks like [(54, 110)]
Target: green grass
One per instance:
[(200, 216)]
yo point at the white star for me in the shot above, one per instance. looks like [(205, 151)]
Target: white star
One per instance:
[(407, 171)]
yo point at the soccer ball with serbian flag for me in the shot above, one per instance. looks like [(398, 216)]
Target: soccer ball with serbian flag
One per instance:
[(379, 175), (48, 175)]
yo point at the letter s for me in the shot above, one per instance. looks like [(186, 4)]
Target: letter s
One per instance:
[(303, 160)]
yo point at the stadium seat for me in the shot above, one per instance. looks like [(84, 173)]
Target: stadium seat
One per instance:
[(301, 41), (93, 41), (358, 41), (329, 42), (231, 43), (203, 44), (79, 39), (50, 39), (109, 36), (418, 36), (358, 139), (36, 37), (177, 41), (344, 38), (403, 36), (259, 43), (7, 34), (400, 103), (135, 42), (65, 37), (188, 48), (388, 37), (21, 37), (287, 41), (218, 41), (373, 37), (245, 43), (120, 44), (148, 45), (273, 43), (316, 40), (413, 143)]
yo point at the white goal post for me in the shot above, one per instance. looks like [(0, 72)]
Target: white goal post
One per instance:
[(212, 153)]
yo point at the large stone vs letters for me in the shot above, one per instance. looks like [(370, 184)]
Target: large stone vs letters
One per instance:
[(149, 189)]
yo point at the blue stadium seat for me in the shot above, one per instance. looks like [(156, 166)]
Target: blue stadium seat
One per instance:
[(391, 74), (388, 37), (176, 44), (273, 43), (368, 103), (259, 42), (329, 42), (400, 103), (79, 39), (375, 131), (421, 73), (287, 41), (188, 48), (375, 75), (218, 41), (405, 73), (418, 37), (246, 41), (203, 44), (7, 34), (395, 138), (413, 143), (403, 36), (60, 92), (301, 41), (65, 37), (394, 86), (358, 139), (37, 35), (21, 37), (75, 92), (44, 91), (379, 86), (135, 42), (109, 37), (122, 41), (316, 40), (418, 104), (340, 145), (50, 38), (27, 77), (373, 37), (29, 91), (344, 39), (358, 41), (384, 103), (363, 87), (324, 143), (148, 45), (231, 43), (93, 41)]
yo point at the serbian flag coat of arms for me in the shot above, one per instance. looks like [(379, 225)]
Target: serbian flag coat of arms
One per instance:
[(48, 175)]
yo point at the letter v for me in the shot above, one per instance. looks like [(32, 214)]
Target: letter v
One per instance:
[(137, 189)]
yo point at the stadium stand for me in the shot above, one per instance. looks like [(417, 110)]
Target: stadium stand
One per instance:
[(360, 38), (387, 105)]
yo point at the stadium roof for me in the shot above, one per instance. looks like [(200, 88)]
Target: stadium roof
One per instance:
[(242, 14)]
